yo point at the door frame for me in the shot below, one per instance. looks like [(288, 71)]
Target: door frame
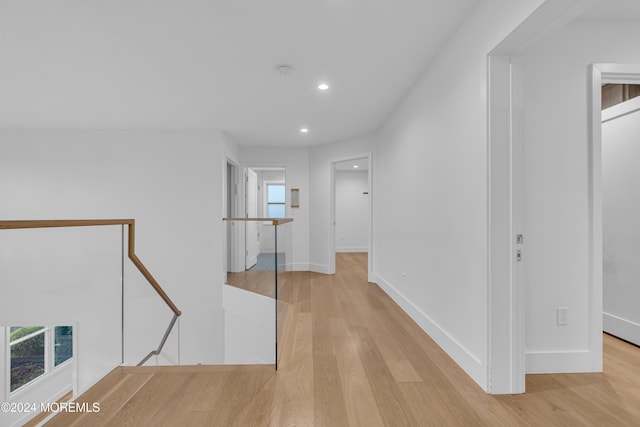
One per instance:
[(249, 224), (505, 296), (332, 213), (233, 251), (599, 74), (505, 353), (257, 167)]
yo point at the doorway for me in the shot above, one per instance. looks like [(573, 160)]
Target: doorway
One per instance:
[(265, 197), (351, 209), (233, 259), (252, 233), (620, 125)]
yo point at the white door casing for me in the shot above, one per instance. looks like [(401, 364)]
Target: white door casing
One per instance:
[(252, 237)]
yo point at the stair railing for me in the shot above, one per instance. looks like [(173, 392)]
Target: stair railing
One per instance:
[(12, 225)]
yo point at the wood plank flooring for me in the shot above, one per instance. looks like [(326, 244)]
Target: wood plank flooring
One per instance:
[(352, 357), (258, 281)]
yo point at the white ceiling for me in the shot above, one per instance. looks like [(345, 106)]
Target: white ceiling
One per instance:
[(209, 64), (612, 10)]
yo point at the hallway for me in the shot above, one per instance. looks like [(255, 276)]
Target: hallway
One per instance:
[(353, 358)]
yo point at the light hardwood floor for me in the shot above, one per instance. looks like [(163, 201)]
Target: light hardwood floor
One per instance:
[(258, 281), (352, 357)]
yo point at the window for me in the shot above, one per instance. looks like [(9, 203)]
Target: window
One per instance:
[(36, 350), (63, 344), (275, 200), (27, 354)]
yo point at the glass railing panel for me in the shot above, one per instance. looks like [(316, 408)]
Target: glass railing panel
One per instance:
[(284, 285), (146, 320), (249, 292), (258, 259)]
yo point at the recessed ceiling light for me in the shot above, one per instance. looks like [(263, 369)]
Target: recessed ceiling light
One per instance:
[(323, 86), (356, 166), (304, 130)]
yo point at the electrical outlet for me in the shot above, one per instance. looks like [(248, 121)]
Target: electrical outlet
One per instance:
[(561, 316), (404, 275)]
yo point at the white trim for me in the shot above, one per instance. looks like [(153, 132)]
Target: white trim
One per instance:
[(298, 266), (319, 268), (618, 73), (470, 363), (622, 109), (350, 250), (236, 232), (620, 327), (558, 362), (594, 215), (505, 296)]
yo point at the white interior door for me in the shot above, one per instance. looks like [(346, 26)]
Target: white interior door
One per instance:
[(252, 236), (621, 228)]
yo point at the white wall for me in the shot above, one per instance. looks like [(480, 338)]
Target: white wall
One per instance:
[(430, 204), (170, 182), (296, 163), (556, 189), (621, 228), (352, 211)]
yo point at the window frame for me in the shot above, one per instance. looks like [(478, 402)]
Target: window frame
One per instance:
[(49, 356), (265, 198)]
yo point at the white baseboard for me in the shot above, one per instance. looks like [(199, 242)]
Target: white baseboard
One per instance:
[(558, 362), (350, 250), (622, 328), (472, 365), (299, 266), (319, 268)]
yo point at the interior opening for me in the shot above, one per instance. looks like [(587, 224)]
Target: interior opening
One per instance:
[(265, 197), (352, 206), (620, 210)]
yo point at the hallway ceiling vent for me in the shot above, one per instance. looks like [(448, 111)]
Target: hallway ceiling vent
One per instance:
[(285, 70)]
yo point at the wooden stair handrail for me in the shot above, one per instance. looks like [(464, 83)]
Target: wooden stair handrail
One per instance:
[(7, 225), (273, 221)]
